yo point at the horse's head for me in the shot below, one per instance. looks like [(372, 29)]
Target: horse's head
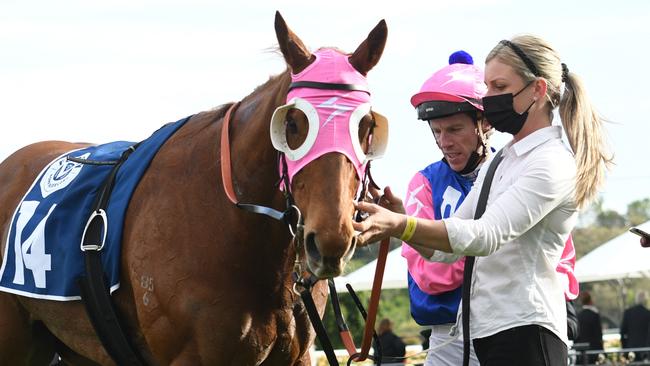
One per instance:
[(327, 134)]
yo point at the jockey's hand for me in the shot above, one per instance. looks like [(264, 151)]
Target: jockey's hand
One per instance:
[(380, 223), (387, 200)]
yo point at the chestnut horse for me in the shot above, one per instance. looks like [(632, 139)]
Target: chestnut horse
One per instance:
[(202, 281)]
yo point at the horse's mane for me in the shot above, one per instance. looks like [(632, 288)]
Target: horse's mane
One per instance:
[(335, 49), (273, 80), (220, 110)]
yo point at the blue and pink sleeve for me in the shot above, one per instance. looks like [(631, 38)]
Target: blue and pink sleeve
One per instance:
[(431, 277)]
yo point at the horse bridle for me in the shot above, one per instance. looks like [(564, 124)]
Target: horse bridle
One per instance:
[(308, 281), (226, 176)]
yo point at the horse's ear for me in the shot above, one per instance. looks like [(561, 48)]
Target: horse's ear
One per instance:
[(293, 50), (369, 51)]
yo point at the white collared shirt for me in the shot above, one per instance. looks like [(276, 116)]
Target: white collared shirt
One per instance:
[(519, 239)]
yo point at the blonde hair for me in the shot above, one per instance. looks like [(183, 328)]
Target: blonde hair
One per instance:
[(581, 122)]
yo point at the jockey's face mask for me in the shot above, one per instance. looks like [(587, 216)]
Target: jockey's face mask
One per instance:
[(333, 115)]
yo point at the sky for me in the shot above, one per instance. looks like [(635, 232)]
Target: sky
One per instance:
[(100, 71)]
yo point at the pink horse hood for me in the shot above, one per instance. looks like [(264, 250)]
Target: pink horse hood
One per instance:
[(334, 115)]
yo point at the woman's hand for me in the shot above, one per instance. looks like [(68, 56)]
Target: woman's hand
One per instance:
[(387, 200), (380, 224)]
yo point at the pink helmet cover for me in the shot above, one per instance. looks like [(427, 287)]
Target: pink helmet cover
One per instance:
[(453, 83)]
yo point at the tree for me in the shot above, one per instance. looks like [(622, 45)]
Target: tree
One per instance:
[(589, 238), (610, 219), (393, 304), (589, 214), (638, 211), (597, 225)]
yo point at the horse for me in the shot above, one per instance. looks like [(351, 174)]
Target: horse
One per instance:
[(204, 282)]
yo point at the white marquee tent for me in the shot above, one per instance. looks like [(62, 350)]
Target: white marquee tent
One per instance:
[(620, 258), (362, 278)]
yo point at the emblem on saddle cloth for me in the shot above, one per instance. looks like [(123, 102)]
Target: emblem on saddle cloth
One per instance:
[(42, 258)]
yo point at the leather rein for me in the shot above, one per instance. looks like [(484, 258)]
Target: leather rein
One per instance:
[(307, 282)]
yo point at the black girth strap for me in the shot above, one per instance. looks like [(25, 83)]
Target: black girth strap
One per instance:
[(94, 290), (328, 86), (469, 260)]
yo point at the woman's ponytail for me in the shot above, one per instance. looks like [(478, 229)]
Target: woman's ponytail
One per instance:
[(584, 130)]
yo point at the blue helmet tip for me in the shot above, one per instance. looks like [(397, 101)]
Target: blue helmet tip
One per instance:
[(461, 57)]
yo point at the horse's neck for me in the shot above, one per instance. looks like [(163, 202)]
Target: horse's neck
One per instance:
[(255, 174), (254, 160)]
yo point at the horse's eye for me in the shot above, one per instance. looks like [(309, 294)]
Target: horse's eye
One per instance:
[(366, 127), (292, 127), (297, 127)]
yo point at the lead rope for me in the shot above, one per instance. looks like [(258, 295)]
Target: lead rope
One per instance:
[(357, 356), (374, 303), (343, 327)]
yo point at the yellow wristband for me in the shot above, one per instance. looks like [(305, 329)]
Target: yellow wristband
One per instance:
[(409, 230)]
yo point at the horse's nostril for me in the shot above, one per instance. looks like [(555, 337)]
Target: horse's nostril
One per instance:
[(312, 249)]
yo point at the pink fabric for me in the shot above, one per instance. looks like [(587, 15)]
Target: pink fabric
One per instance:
[(431, 277), (453, 83), (334, 107), (566, 266)]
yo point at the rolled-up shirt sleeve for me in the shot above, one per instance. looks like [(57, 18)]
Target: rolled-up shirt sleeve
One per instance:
[(537, 190)]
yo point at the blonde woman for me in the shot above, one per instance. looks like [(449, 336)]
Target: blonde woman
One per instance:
[(517, 313)]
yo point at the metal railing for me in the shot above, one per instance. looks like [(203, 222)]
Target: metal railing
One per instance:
[(580, 355)]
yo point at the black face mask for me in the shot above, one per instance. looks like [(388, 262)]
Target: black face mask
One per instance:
[(500, 113)]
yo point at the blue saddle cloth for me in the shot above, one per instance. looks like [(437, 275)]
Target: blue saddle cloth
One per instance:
[(43, 257)]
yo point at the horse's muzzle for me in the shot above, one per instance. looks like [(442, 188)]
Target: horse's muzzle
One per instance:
[(327, 266)]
